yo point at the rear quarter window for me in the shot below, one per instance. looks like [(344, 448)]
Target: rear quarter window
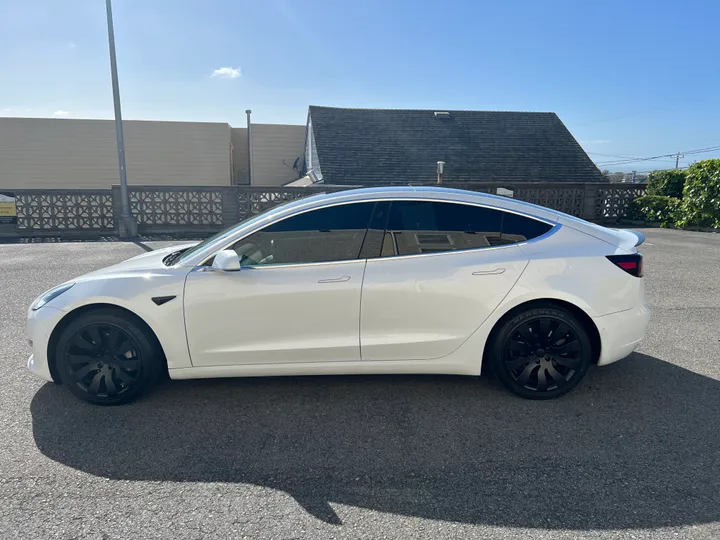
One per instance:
[(517, 228)]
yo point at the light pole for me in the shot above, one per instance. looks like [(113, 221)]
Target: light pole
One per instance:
[(127, 223), (250, 156)]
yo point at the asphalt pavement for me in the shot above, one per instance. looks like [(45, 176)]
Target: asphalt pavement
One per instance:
[(633, 452)]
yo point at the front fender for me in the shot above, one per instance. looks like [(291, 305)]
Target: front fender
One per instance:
[(134, 293)]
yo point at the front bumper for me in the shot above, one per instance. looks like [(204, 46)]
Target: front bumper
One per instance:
[(40, 325), (621, 333)]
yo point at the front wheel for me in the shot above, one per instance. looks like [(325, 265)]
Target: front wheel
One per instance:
[(541, 353), (107, 358)]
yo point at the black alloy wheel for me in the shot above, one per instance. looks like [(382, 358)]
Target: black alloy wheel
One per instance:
[(103, 361), (542, 353), (107, 358)]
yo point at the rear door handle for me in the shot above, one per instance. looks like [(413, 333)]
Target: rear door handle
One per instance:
[(488, 272), (341, 279)]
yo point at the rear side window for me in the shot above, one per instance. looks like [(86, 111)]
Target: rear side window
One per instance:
[(416, 227), (516, 228), (335, 233)]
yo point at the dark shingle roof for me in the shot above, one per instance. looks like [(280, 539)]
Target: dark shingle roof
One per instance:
[(377, 146)]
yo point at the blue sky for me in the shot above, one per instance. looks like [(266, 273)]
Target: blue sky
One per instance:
[(630, 78)]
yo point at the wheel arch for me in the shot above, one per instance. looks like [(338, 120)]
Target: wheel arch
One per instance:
[(584, 319), (82, 310)]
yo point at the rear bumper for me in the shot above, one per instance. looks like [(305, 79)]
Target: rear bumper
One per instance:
[(621, 333)]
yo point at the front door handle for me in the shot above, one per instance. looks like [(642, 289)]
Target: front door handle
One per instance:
[(494, 272), (341, 279)]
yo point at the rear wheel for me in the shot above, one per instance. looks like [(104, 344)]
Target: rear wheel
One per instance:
[(541, 353), (107, 358)]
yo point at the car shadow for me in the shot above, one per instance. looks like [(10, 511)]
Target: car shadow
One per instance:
[(636, 445)]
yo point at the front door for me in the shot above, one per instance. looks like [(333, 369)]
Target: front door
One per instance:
[(295, 299), (274, 315)]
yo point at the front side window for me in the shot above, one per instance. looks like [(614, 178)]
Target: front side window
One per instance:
[(328, 234), (416, 227)]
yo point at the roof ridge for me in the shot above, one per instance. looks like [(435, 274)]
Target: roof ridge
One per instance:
[(440, 109)]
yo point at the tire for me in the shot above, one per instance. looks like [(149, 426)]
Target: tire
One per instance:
[(541, 353), (106, 357)]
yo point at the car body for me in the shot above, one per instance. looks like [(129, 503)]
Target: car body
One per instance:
[(306, 289)]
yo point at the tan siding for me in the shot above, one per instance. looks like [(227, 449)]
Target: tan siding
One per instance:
[(70, 153), (275, 147)]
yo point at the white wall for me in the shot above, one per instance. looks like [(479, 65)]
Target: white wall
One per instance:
[(70, 153), (275, 147), (312, 162)]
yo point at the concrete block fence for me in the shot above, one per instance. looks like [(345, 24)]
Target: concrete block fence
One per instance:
[(200, 210)]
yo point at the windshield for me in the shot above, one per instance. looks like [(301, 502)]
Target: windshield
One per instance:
[(222, 234), (229, 231)]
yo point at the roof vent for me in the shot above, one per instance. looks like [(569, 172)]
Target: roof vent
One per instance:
[(442, 114)]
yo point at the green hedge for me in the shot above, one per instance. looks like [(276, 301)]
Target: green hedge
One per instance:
[(701, 195), (697, 206), (668, 183), (654, 209)]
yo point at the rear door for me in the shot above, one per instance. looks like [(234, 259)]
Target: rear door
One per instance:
[(442, 269)]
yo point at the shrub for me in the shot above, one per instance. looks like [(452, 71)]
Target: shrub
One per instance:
[(669, 183), (701, 195), (653, 209)]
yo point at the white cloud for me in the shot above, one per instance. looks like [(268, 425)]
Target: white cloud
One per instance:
[(61, 113), (227, 73)]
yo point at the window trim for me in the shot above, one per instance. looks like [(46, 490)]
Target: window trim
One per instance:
[(554, 227)]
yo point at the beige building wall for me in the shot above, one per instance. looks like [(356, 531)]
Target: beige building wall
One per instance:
[(70, 153), (275, 148)]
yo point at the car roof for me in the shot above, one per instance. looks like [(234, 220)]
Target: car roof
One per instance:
[(426, 192)]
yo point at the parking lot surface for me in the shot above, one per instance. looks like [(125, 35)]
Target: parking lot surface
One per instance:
[(633, 452)]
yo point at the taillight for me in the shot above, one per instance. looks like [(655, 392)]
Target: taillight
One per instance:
[(632, 264)]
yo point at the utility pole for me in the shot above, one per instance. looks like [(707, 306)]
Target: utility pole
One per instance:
[(677, 159), (127, 224)]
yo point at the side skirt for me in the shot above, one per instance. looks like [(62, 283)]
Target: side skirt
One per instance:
[(437, 367)]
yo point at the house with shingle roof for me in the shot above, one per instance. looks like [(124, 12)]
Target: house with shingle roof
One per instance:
[(398, 146)]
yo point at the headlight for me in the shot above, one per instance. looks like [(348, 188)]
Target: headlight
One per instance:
[(50, 295)]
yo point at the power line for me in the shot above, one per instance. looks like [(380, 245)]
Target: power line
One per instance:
[(645, 171), (612, 155), (663, 160), (703, 150), (674, 156), (628, 161)]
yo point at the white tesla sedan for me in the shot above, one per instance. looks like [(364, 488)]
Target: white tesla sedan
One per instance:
[(385, 280)]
